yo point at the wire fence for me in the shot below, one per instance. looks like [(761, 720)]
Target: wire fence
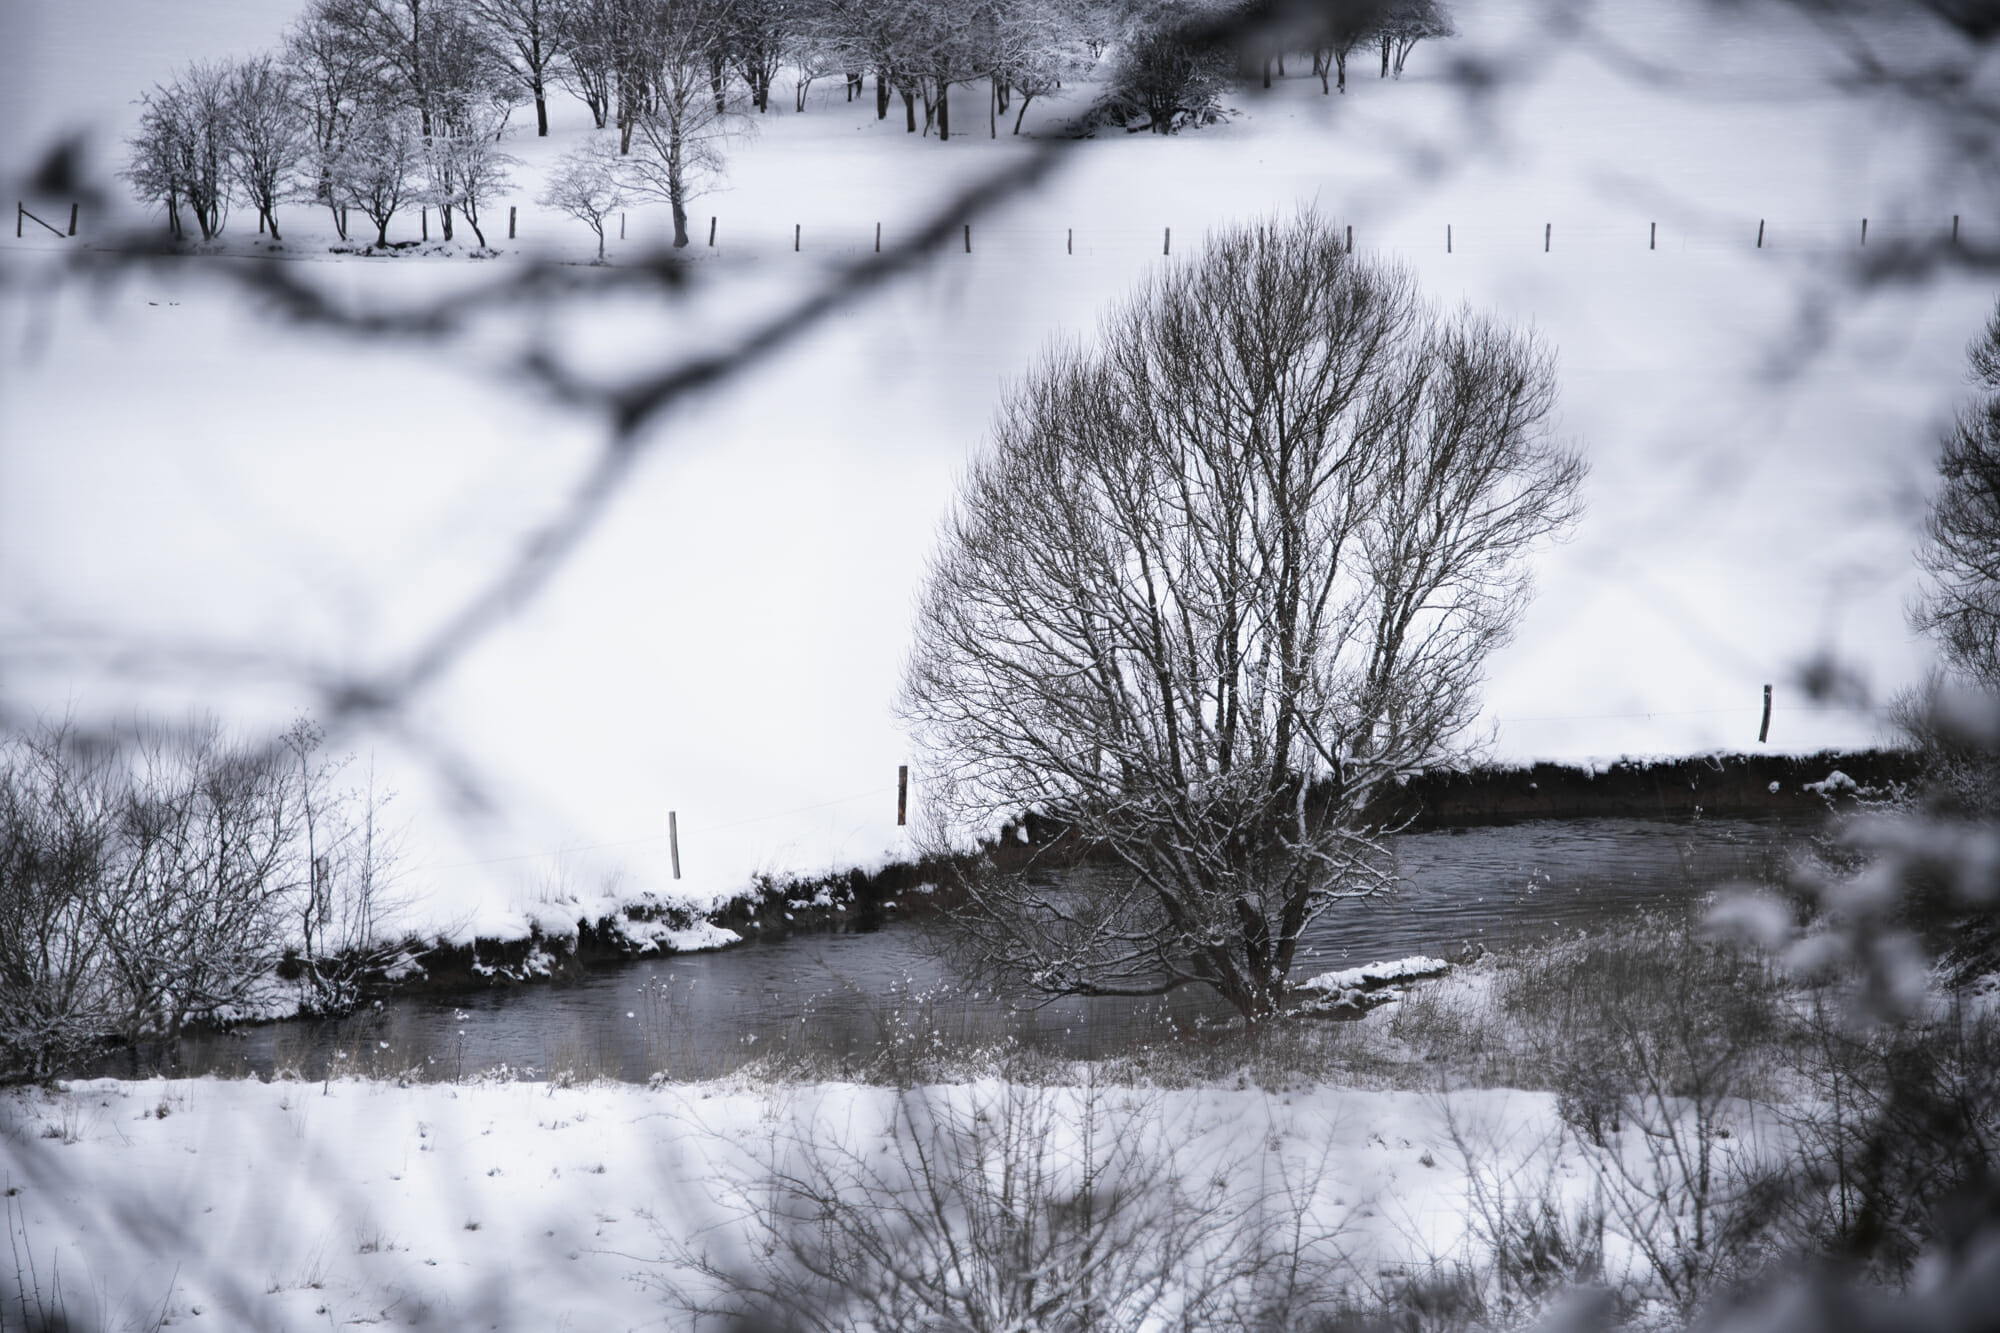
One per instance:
[(648, 231)]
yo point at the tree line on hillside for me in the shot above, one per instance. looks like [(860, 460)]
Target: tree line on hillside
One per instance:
[(380, 106)]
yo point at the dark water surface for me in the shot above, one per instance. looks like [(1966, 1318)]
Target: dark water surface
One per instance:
[(849, 994)]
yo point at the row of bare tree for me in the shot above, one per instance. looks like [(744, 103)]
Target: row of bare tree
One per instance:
[(170, 878), (378, 106)]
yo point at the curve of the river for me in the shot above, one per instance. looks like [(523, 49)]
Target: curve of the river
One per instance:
[(696, 1015)]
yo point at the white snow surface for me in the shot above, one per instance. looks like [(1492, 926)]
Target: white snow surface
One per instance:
[(245, 1205), (204, 508)]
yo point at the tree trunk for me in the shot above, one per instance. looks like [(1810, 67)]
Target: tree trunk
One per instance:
[(1022, 115), (909, 111), (1385, 59), (944, 111), (382, 232), (1340, 65), (541, 115), (1267, 71), (677, 190), (881, 95), (271, 217)]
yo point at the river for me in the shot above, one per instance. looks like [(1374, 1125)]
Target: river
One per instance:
[(846, 994)]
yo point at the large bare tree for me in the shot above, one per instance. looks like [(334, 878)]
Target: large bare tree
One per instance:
[(1217, 583), (1961, 552)]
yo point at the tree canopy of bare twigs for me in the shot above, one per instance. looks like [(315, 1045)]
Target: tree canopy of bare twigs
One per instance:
[(1961, 553), (160, 881), (1216, 584)]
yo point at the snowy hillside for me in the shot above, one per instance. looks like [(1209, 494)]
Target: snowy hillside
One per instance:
[(201, 507)]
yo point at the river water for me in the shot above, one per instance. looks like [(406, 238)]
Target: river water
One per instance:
[(848, 994)]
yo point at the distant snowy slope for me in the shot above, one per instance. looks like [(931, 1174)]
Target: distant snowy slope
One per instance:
[(201, 507)]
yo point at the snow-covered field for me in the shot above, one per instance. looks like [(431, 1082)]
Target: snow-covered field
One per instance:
[(230, 1205), (203, 507)]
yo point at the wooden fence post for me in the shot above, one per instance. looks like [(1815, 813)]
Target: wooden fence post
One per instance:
[(1760, 233), (621, 226), (72, 218), (1864, 231), (424, 220), (1350, 238), (674, 841), (510, 222), (1069, 242), (20, 211), (797, 227), (878, 238), (1954, 229), (902, 792), (1548, 234), (1653, 236), (1447, 238), (968, 238), (1167, 245), (711, 233), (1764, 729)]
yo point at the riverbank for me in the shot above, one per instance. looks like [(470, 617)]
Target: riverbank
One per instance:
[(505, 1202), (555, 943)]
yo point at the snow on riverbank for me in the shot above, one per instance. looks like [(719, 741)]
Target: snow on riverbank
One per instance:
[(244, 1205)]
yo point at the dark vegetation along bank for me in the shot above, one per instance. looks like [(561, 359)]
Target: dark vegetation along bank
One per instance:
[(1720, 785)]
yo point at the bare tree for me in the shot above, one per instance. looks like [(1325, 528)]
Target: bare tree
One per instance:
[(1037, 44), (1403, 24), (1169, 74), (465, 166), (379, 165), (1961, 553), (1215, 585), (532, 37), (269, 142), (587, 185), (345, 906), (757, 38), (589, 55), (166, 877), (333, 77), (58, 826), (683, 130), (180, 157), (1342, 31), (1015, 1208)]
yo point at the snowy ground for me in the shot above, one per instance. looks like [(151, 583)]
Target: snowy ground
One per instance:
[(202, 508), (229, 1205)]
